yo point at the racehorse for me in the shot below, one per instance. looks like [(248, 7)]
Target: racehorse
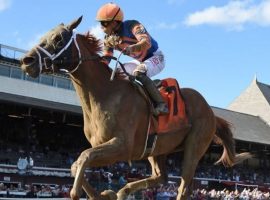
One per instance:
[(116, 116)]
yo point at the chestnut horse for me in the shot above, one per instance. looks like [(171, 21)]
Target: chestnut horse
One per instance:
[(116, 116)]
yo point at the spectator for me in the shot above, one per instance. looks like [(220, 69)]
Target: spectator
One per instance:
[(32, 193), (122, 181), (109, 176)]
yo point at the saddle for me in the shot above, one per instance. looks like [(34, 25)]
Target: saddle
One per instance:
[(177, 118)]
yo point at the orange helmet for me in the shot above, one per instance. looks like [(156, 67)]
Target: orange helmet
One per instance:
[(110, 12)]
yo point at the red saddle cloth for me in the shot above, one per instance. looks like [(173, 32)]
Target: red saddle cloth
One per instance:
[(176, 118)]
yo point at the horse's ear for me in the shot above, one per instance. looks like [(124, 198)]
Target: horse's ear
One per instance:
[(74, 23)]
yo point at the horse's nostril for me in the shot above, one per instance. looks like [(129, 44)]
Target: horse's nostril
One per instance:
[(28, 60)]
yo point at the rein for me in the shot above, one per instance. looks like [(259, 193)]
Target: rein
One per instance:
[(131, 77)]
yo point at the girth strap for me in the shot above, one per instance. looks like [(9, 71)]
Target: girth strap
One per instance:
[(150, 145)]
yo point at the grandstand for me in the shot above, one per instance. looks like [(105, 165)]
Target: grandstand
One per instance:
[(41, 134)]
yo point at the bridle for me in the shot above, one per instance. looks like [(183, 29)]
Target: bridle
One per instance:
[(53, 57)]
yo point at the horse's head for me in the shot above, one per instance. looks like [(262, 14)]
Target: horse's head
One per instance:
[(54, 51)]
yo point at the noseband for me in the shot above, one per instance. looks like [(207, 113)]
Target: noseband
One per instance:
[(52, 57)]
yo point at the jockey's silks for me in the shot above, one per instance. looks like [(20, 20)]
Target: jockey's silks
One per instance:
[(131, 32)]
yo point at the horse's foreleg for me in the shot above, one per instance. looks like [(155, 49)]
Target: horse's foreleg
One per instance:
[(98, 156), (159, 175), (90, 191)]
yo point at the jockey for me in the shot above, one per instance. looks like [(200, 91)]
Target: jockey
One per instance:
[(131, 37)]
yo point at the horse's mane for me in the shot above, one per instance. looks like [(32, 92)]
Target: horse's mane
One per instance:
[(93, 44)]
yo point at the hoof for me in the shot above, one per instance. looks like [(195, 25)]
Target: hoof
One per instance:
[(74, 195), (108, 195)]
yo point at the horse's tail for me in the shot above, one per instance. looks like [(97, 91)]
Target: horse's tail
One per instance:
[(224, 137)]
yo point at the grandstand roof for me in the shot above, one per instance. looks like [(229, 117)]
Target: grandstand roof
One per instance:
[(246, 127), (255, 100), (35, 102), (265, 90)]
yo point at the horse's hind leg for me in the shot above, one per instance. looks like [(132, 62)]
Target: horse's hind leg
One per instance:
[(195, 146), (159, 175)]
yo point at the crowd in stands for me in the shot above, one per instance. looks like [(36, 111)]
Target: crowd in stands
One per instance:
[(115, 176), (246, 173), (47, 150), (169, 192), (61, 150), (238, 173), (34, 191), (163, 192), (245, 194), (243, 172)]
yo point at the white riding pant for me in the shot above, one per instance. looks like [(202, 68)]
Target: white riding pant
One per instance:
[(152, 66)]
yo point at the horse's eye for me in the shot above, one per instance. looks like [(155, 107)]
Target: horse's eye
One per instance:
[(60, 44), (58, 40)]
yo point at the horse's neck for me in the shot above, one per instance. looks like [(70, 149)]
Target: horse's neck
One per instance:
[(90, 86), (91, 82)]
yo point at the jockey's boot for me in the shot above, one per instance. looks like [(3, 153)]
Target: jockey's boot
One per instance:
[(161, 107)]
